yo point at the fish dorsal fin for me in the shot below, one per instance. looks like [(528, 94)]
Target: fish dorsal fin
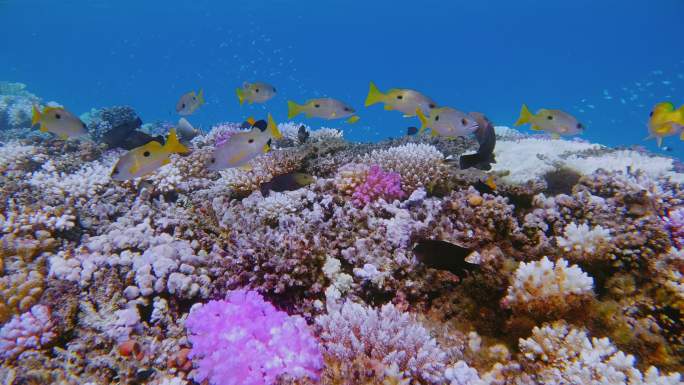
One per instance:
[(536, 128)]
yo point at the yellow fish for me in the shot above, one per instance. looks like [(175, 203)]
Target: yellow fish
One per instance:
[(145, 159), (59, 121), (324, 108), (244, 146), (255, 92), (190, 102), (555, 122), (665, 121), (400, 99)]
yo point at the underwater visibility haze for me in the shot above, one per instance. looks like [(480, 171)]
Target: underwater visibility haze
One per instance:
[(328, 192)]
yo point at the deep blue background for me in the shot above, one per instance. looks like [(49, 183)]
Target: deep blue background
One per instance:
[(488, 56)]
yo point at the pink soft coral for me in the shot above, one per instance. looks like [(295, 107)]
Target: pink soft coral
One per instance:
[(378, 184), (245, 340)]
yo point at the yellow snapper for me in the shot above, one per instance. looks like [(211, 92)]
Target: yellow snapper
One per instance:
[(324, 108), (664, 121), (555, 122), (255, 92), (400, 99), (147, 158), (190, 102), (447, 122), (59, 121), (245, 146)]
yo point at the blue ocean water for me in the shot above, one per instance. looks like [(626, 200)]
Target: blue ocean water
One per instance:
[(607, 62)]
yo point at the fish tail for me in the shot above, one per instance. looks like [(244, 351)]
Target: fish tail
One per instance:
[(293, 109), (36, 116), (240, 94), (525, 116), (374, 95), (272, 128), (173, 144), (423, 120), (353, 119), (200, 96)]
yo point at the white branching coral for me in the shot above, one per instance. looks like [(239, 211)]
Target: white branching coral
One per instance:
[(386, 334), (420, 165), (23, 219), (326, 133), (543, 287), (581, 242), (30, 330), (624, 160), (13, 156), (557, 354)]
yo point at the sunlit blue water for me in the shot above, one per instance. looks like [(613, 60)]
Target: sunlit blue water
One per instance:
[(583, 56)]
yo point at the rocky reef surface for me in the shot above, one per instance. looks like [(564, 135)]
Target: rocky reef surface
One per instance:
[(192, 276)]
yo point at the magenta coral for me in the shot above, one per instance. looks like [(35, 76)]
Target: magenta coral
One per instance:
[(378, 184), (675, 224), (245, 340), (31, 330)]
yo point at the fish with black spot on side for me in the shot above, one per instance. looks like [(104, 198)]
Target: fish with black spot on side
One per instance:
[(555, 122), (59, 121), (257, 92), (242, 147), (664, 120), (190, 102), (286, 182), (400, 99), (324, 108), (486, 138), (442, 255), (147, 158), (447, 122)]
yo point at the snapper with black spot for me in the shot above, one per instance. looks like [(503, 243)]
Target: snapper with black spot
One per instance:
[(447, 122), (147, 158), (242, 147), (324, 108), (190, 102), (555, 122), (59, 121), (400, 99), (257, 92)]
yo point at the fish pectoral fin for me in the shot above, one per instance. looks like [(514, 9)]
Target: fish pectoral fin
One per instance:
[(555, 135), (266, 148), (166, 161), (246, 168), (536, 128), (333, 114), (63, 136), (353, 119), (43, 128), (388, 107)]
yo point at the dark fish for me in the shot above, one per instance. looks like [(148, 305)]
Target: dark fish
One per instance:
[(483, 188), (134, 139), (302, 134), (411, 131), (442, 255), (286, 182), (486, 137)]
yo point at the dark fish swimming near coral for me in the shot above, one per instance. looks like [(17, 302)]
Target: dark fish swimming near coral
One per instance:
[(411, 131), (442, 255), (486, 137), (302, 134), (485, 187), (286, 182)]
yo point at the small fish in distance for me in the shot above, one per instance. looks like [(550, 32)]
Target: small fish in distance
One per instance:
[(442, 255), (286, 182), (324, 108), (486, 137), (257, 92), (190, 102)]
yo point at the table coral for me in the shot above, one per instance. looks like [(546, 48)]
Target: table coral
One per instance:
[(245, 340)]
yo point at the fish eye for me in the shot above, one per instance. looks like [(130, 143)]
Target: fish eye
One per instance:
[(400, 97), (464, 121), (436, 118), (347, 109), (256, 90), (650, 114), (84, 125), (549, 117), (432, 105), (146, 154), (58, 116), (212, 160), (183, 105), (579, 125), (194, 98), (115, 171), (274, 90), (317, 105), (250, 141)]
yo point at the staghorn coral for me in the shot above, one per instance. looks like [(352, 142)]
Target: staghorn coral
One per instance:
[(245, 340), (547, 289), (386, 334)]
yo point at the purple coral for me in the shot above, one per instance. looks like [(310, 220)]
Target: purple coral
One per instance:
[(675, 224), (30, 330), (245, 340), (378, 184)]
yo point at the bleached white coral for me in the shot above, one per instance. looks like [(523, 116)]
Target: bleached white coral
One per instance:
[(341, 281), (622, 160), (584, 243), (384, 334), (561, 354), (325, 133), (420, 165), (462, 374), (13, 154), (23, 219), (547, 287)]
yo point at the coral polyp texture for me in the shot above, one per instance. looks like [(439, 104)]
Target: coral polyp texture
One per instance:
[(389, 265)]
